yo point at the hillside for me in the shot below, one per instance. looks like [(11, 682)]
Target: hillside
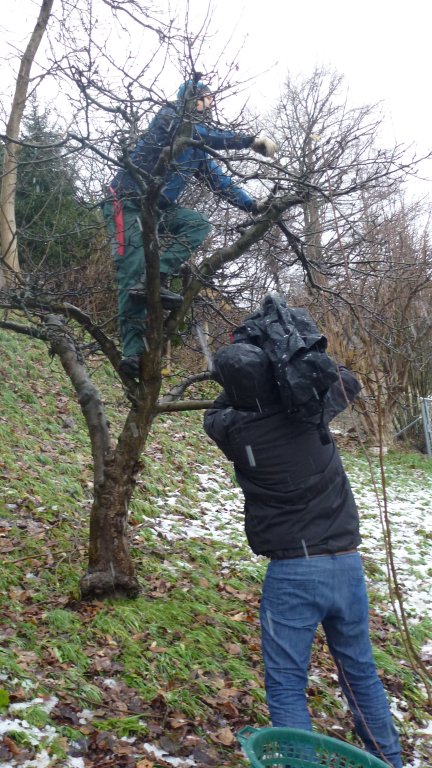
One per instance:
[(167, 679)]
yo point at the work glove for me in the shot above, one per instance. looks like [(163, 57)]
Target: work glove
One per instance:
[(260, 206), (264, 146)]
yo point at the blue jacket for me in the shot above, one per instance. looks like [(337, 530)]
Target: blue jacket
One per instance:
[(190, 162)]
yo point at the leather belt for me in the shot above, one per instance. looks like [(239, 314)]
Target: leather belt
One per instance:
[(330, 554)]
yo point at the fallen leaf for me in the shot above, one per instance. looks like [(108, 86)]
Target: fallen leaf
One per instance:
[(123, 748), (233, 648), (206, 756), (228, 708), (225, 736), (169, 746), (177, 722), (11, 746), (228, 693), (238, 617), (155, 648)]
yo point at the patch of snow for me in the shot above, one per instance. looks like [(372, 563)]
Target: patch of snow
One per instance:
[(396, 710), (427, 730), (46, 704), (218, 515), (409, 512), (43, 760), (177, 762), (415, 764), (426, 651), (85, 716), (33, 734)]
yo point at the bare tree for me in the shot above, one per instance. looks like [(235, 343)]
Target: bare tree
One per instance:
[(8, 239), (366, 254), (47, 316), (113, 101), (386, 324)]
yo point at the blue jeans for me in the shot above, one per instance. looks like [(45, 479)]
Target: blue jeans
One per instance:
[(299, 594)]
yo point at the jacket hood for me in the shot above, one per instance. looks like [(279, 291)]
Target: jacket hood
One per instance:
[(198, 89), (246, 374)]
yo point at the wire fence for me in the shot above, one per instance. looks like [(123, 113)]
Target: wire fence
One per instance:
[(422, 422)]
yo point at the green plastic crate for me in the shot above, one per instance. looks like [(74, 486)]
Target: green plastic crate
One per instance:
[(293, 748)]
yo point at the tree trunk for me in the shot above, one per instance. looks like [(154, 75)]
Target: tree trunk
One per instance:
[(110, 567), (8, 234)]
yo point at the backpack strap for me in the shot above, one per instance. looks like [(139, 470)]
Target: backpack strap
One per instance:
[(322, 428)]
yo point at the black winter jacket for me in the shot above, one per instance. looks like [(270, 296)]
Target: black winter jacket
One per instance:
[(298, 500)]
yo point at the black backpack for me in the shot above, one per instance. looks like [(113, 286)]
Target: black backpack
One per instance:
[(302, 368)]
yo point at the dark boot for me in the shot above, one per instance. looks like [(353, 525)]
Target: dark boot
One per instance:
[(130, 366), (169, 299)]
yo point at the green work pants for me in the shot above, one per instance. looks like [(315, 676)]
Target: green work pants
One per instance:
[(181, 230)]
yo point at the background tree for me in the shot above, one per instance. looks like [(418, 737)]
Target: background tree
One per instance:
[(56, 227), (389, 332), (8, 240), (366, 253)]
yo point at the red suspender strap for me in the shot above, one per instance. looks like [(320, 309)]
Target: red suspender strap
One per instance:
[(118, 222)]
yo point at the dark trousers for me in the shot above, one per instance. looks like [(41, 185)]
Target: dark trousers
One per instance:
[(181, 230)]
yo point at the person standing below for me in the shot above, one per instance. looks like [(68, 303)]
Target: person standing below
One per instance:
[(300, 512), (185, 228)]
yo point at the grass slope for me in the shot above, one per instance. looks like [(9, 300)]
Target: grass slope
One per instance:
[(167, 679)]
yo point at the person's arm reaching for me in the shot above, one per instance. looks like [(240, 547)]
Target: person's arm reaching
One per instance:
[(223, 185), (220, 140)]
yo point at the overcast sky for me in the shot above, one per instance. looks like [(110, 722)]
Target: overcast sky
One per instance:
[(382, 47)]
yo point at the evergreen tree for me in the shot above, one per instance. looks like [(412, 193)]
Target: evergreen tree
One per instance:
[(55, 229)]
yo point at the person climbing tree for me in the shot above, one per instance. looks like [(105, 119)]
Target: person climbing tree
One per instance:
[(185, 228)]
